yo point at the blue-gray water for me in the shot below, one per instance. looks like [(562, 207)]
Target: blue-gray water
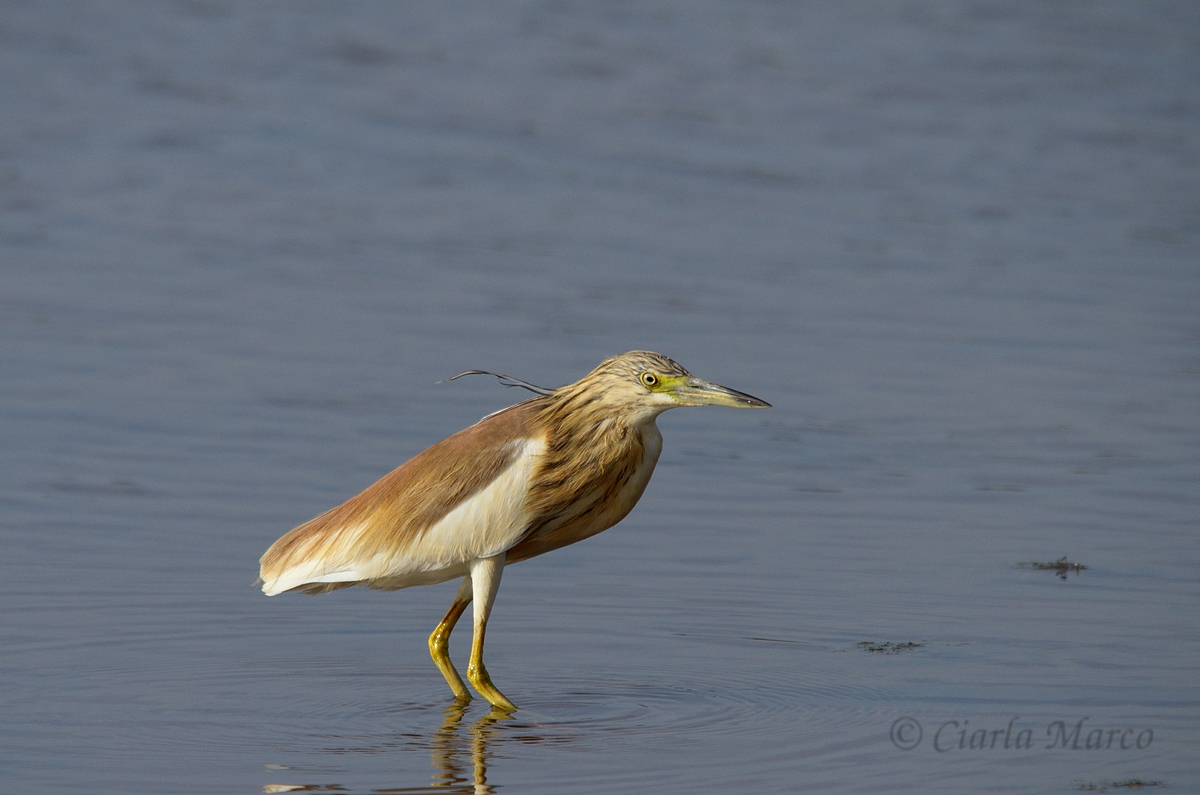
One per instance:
[(956, 244)]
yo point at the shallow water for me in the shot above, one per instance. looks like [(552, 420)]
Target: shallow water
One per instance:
[(954, 245)]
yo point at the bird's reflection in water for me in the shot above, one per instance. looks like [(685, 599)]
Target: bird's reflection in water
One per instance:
[(452, 743), (459, 754)]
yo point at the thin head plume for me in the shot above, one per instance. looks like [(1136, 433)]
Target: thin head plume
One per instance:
[(506, 380)]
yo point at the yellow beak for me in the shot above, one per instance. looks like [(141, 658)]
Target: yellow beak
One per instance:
[(697, 392)]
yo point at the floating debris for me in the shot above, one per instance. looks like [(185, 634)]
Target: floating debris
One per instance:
[(1060, 567), (1130, 784), (887, 648)]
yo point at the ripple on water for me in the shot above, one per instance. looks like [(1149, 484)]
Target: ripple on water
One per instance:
[(763, 718)]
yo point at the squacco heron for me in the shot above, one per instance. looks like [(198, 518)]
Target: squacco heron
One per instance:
[(528, 479)]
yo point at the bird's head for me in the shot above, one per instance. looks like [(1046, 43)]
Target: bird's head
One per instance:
[(647, 384)]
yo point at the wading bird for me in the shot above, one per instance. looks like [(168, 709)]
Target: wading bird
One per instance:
[(530, 478)]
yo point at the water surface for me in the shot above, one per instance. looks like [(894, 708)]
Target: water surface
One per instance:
[(955, 245)]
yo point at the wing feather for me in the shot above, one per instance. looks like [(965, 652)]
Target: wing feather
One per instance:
[(462, 498)]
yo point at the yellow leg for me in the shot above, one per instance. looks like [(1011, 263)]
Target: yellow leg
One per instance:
[(485, 581), (439, 641), (481, 680)]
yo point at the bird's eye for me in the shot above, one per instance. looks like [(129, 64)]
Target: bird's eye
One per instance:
[(649, 379)]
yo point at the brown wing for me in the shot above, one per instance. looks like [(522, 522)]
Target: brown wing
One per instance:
[(387, 520)]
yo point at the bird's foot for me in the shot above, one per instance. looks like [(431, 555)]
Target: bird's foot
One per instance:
[(482, 683)]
